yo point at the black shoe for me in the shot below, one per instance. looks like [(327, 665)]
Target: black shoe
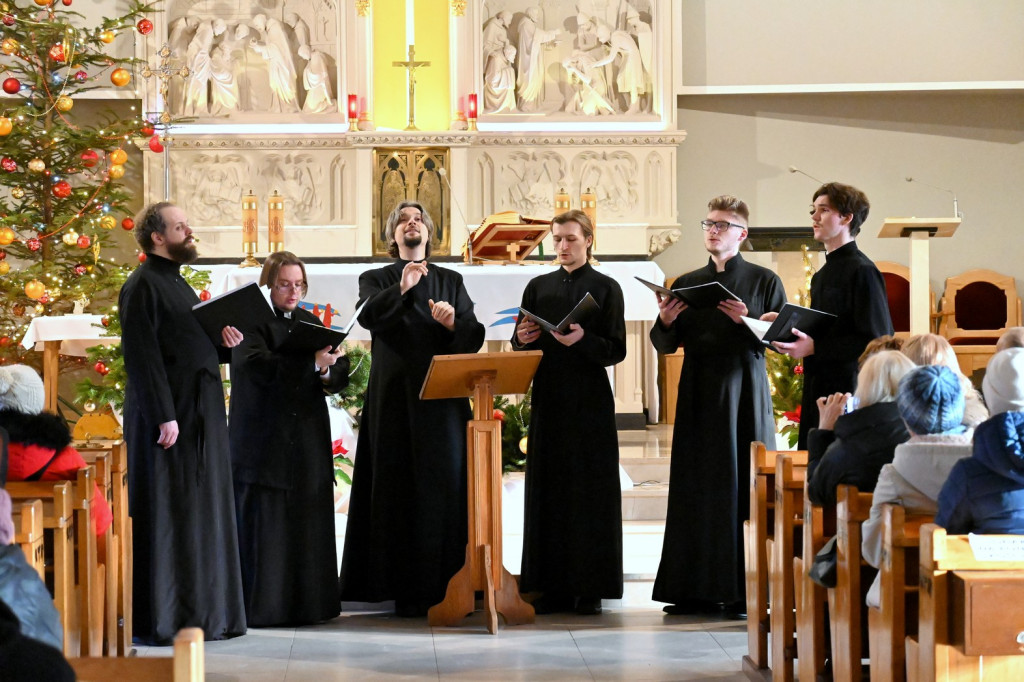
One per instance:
[(553, 603), (587, 606), (736, 610), (690, 607)]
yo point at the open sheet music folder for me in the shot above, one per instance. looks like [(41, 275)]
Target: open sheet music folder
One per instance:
[(812, 322), (244, 308), (577, 315), (706, 295), (311, 337)]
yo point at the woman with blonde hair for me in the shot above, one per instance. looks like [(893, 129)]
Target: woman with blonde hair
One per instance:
[(932, 349), (852, 448)]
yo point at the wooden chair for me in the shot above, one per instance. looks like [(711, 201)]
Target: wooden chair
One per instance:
[(846, 599), (28, 533), (819, 526), (782, 548), (897, 291), (59, 534), (976, 308), (187, 665), (756, 531), (896, 615), (970, 625)]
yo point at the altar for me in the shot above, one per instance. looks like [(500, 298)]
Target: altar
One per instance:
[(496, 292)]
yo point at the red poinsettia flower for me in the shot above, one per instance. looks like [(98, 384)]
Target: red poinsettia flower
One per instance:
[(793, 416), (337, 448)]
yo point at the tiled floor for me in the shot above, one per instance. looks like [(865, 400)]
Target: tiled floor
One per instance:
[(631, 640)]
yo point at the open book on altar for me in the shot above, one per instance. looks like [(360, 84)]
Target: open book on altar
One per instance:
[(244, 308), (808, 320), (577, 315), (309, 337), (706, 295)]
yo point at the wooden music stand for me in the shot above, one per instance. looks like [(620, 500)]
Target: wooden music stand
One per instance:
[(919, 231), (506, 238), (482, 375)]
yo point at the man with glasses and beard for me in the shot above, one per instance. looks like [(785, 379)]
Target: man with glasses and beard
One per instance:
[(406, 533), (724, 403), (180, 490)]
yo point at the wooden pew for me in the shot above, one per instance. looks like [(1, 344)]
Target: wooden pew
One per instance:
[(756, 531), (91, 575), (970, 623), (819, 527), (789, 487), (846, 599), (187, 665), (896, 615), (59, 532), (28, 533)]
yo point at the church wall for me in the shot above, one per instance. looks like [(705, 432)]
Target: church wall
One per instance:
[(969, 142)]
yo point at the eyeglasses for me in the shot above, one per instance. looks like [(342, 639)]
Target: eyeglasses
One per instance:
[(290, 286), (719, 225)]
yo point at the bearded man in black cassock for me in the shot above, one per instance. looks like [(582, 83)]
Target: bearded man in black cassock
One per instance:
[(282, 462), (724, 403), (407, 521), (179, 469), (572, 535)]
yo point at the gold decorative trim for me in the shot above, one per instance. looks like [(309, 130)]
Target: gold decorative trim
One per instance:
[(363, 8), (458, 8)]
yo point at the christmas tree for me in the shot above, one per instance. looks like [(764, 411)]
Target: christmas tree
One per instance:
[(59, 191)]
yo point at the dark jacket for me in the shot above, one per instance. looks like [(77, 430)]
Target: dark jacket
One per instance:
[(854, 453), (24, 592), (23, 659), (985, 492)]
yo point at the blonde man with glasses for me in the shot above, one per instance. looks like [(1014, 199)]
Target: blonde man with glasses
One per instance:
[(723, 404), (282, 461)]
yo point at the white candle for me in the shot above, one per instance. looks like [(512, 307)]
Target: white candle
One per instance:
[(410, 22)]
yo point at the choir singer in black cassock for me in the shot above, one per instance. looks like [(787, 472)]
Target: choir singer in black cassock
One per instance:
[(850, 287), (179, 468), (281, 460), (406, 532), (572, 536), (724, 403)]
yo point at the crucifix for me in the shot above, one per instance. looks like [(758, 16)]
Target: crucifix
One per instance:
[(411, 65)]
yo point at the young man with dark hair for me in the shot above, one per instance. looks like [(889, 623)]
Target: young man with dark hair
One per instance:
[(850, 287), (724, 403)]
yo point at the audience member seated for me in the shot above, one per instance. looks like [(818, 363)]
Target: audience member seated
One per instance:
[(23, 659), (931, 403), (932, 349), (40, 446), (1011, 338), (985, 492), (852, 448), (885, 342), (22, 589)]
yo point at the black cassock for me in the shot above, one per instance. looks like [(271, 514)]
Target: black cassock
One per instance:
[(724, 403), (406, 532), (572, 539), (180, 499), (849, 286), (284, 477)]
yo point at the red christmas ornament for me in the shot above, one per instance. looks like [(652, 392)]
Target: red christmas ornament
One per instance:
[(12, 86), (142, 258), (90, 158), (44, 299), (62, 189), (9, 164), (204, 295), (81, 76), (3, 254), (5, 340), (145, 26), (66, 3), (33, 244), (147, 129), (799, 369), (128, 224), (8, 20), (105, 320), (154, 144), (80, 269), (499, 415), (84, 241), (57, 52), (101, 368)]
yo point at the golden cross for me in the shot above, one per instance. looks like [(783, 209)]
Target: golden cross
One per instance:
[(411, 65)]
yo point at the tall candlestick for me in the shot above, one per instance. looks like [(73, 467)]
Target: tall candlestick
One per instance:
[(588, 204), (250, 230), (353, 113), (471, 115), (562, 201), (275, 222)]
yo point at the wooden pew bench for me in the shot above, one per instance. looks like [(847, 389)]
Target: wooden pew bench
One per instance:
[(784, 545), (29, 535), (819, 526), (186, 665), (846, 600)]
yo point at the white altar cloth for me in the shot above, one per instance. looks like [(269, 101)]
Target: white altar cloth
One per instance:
[(77, 332), (497, 290)]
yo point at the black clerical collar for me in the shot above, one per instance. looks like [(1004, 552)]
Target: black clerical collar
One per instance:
[(284, 314), (577, 273), (405, 262), (730, 264), (161, 263), (844, 251)]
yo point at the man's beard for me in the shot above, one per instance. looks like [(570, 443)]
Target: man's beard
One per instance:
[(183, 252), (413, 242)]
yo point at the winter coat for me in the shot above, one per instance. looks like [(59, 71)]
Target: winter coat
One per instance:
[(24, 592)]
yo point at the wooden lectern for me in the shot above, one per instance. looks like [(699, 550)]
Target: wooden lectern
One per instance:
[(506, 238), (919, 231), (482, 375)]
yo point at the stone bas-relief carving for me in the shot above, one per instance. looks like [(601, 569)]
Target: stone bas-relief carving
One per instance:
[(585, 57), (279, 57), (663, 240)]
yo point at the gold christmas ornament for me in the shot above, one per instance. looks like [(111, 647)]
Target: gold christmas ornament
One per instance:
[(6, 236), (9, 46), (5, 267), (36, 165), (108, 222), (522, 445), (17, 192), (120, 77), (70, 238), (89, 406), (34, 289), (107, 37), (6, 126), (118, 157), (116, 172), (64, 103)]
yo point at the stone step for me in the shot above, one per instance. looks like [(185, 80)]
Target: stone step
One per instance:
[(645, 503), (646, 469)]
